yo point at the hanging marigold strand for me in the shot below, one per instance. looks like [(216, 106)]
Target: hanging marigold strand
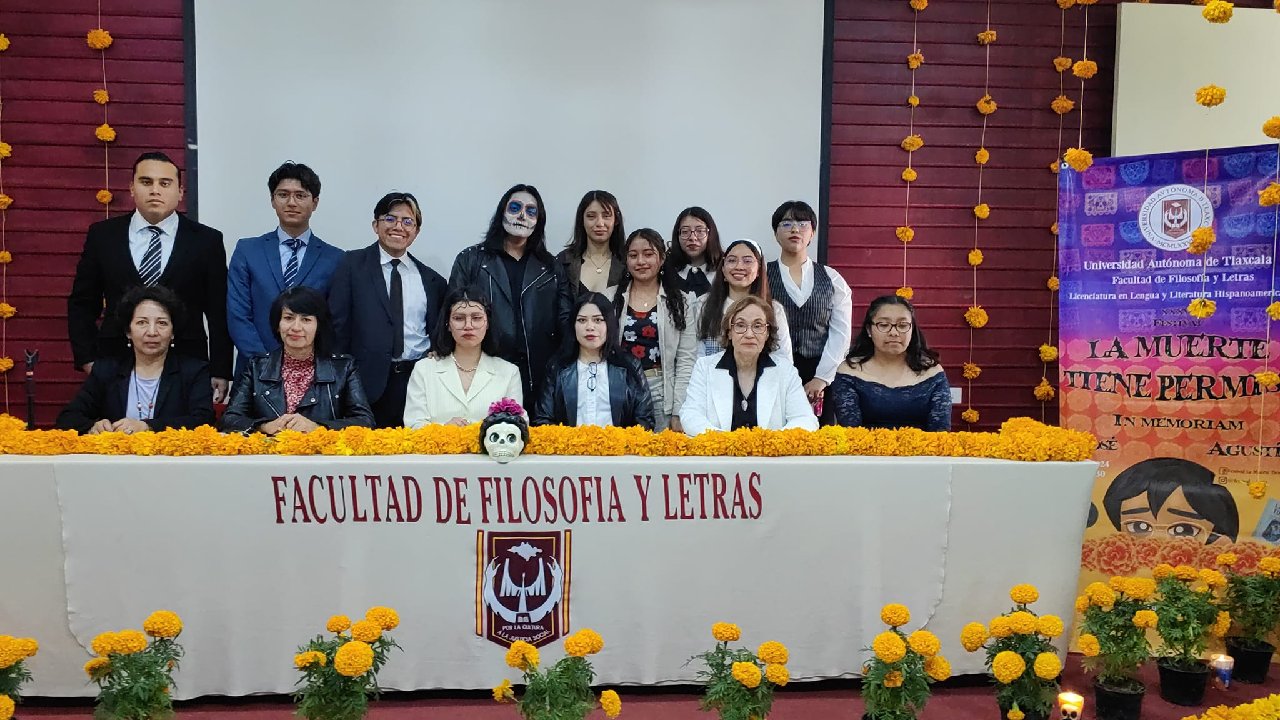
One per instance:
[(911, 144)]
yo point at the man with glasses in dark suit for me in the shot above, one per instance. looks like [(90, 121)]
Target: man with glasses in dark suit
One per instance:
[(385, 303), (154, 245)]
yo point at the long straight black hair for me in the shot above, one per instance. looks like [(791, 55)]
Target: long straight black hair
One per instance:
[(611, 352), (712, 307), (577, 246), (679, 258), (918, 355), (669, 281), (495, 237)]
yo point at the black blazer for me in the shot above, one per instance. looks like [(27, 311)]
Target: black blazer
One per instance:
[(196, 272), (629, 398), (183, 400), (360, 302), (545, 302), (335, 399)]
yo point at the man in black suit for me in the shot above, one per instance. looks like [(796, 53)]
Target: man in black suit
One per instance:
[(385, 304), (152, 246)]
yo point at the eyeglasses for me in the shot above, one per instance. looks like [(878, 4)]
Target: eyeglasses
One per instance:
[(285, 196), (407, 222), (1184, 529), (515, 207), (700, 233), (740, 327), (795, 225), (901, 326), (593, 370), (746, 261)]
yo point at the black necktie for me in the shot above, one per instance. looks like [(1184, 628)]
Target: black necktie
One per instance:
[(397, 311), (149, 270)]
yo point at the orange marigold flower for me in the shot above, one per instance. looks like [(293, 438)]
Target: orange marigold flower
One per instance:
[(101, 96), (104, 196), (982, 157), (986, 37), (1202, 238), (910, 175), (905, 292), (915, 60), (7, 311), (1044, 392), (1211, 95), (1271, 128), (1062, 63), (1218, 11), (986, 105), (1054, 228), (913, 100), (975, 257), (982, 211), (1202, 308), (5, 257), (1053, 283), (1258, 488), (4, 42), (970, 371), (1273, 310), (1066, 4), (98, 39), (1084, 69), (6, 364), (969, 416), (1079, 159), (1048, 353), (1055, 167), (6, 150), (976, 316), (919, 5), (1270, 196), (1268, 378), (1063, 104), (905, 233), (5, 201), (105, 133), (912, 143)]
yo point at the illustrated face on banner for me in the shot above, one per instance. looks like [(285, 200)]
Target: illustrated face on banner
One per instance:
[(503, 442), (521, 215), (1170, 498)]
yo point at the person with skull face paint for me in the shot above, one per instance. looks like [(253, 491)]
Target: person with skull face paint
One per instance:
[(530, 296), (592, 261), (595, 382)]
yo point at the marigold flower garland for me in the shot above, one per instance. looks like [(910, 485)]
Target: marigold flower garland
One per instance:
[(99, 39), (911, 144), (6, 151), (1018, 439)]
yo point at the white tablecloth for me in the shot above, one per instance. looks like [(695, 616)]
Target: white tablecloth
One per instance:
[(810, 551)]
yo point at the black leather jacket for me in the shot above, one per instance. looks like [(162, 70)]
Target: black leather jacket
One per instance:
[(545, 303), (335, 399), (629, 398)]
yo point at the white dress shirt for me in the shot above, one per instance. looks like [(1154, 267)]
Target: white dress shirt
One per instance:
[(839, 329), (140, 238), (416, 334), (593, 405)]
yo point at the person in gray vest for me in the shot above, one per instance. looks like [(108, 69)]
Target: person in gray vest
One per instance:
[(817, 301)]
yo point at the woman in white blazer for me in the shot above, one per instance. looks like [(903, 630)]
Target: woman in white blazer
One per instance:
[(656, 324), (456, 385), (745, 386)]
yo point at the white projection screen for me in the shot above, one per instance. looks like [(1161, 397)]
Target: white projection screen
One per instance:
[(1165, 52), (665, 103)]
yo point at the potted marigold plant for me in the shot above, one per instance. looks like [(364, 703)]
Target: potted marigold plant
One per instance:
[(13, 671), (740, 683), (1253, 601), (562, 691), (1113, 639), (1020, 656), (895, 683), (340, 670), (1186, 618), (134, 676)]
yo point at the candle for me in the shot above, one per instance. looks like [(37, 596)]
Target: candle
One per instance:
[(1221, 667), (1071, 705)]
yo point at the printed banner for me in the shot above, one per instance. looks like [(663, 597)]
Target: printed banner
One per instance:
[(1188, 438), (255, 553)]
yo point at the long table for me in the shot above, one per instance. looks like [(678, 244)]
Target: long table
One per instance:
[(255, 553)]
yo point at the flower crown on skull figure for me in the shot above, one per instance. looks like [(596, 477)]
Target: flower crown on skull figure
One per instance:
[(504, 433)]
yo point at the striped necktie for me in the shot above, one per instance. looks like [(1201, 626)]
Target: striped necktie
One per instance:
[(149, 270), (291, 267)]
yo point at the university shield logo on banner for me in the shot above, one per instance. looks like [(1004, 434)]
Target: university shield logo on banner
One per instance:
[(522, 586), (1170, 214)]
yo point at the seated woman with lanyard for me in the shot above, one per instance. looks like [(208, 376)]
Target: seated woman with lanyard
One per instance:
[(657, 324), (891, 379), (152, 388), (594, 382), (745, 386), (300, 385), (463, 377)]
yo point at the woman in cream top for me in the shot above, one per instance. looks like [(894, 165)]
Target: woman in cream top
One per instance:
[(456, 385)]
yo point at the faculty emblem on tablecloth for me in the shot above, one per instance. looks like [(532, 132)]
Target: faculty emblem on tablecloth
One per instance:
[(522, 586), (1169, 216)]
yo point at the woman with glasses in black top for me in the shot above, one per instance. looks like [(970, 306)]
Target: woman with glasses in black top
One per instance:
[(594, 382), (695, 250)]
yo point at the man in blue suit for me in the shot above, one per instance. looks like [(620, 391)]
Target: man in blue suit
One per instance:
[(263, 267)]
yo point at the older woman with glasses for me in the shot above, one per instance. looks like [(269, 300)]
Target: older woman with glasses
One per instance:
[(595, 382), (745, 385), (891, 379)]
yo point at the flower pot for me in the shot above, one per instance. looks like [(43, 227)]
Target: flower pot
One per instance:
[(1252, 663), (1111, 703), (1183, 687)]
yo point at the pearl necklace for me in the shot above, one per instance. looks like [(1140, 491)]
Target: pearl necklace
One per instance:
[(462, 369)]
